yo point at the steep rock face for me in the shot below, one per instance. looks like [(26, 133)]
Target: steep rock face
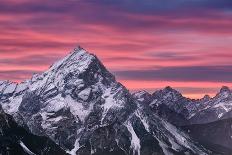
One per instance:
[(211, 117), (79, 105), (16, 140), (142, 133), (170, 105), (218, 107), (143, 97)]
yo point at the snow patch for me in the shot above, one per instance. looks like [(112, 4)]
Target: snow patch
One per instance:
[(12, 106), (220, 115), (135, 141), (55, 104), (179, 139), (77, 144), (164, 147), (78, 109), (110, 102), (10, 88), (84, 94), (143, 120), (25, 148)]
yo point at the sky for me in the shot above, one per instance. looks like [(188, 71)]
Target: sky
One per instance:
[(147, 44)]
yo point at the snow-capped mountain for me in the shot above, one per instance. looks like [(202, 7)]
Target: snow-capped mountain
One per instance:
[(79, 105), (15, 140), (218, 107), (207, 120), (170, 105)]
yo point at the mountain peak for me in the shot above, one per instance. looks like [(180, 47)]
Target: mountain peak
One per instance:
[(205, 98), (78, 50), (140, 92), (169, 88), (78, 57), (225, 89), (78, 47), (167, 93), (78, 66), (142, 96), (224, 92)]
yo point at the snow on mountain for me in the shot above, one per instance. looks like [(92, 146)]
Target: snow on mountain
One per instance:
[(25, 148), (216, 108), (15, 140), (170, 105), (79, 105)]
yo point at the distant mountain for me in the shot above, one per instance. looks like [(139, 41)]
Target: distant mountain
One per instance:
[(15, 140), (170, 105), (217, 108), (207, 120), (79, 105)]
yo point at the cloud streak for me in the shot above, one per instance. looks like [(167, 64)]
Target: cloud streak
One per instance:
[(188, 74)]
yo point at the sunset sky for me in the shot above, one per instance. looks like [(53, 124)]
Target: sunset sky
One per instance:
[(147, 44)]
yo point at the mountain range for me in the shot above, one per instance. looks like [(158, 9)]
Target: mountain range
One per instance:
[(77, 107)]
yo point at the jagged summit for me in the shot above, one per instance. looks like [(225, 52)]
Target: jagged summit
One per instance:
[(142, 96), (170, 89), (140, 92), (206, 98), (77, 56), (167, 93), (223, 93), (225, 89)]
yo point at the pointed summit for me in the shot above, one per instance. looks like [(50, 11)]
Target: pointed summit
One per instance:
[(169, 88), (167, 93), (78, 48), (78, 65), (224, 92), (142, 96), (205, 98), (78, 58)]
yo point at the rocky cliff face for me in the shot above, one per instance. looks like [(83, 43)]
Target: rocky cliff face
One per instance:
[(170, 105), (207, 120), (79, 105), (16, 140), (217, 108)]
